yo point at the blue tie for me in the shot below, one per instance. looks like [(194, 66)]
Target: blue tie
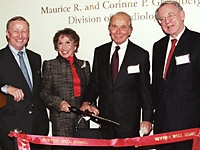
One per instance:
[(24, 69)]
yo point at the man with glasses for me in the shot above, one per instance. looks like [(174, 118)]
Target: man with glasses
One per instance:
[(176, 75)]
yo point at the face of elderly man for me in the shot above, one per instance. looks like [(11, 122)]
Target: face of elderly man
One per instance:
[(171, 19), (120, 28)]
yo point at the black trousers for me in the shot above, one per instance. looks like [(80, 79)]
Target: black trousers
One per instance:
[(185, 145)]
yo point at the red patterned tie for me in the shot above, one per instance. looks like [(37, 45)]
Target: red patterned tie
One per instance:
[(170, 56), (115, 64), (76, 79)]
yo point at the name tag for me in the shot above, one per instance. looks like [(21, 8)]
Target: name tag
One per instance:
[(133, 69), (184, 59)]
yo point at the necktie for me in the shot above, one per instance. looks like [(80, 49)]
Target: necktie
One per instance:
[(170, 56), (115, 64), (24, 69), (76, 79)]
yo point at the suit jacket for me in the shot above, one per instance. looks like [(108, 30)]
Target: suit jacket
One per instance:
[(57, 85), (177, 100), (28, 115), (122, 101)]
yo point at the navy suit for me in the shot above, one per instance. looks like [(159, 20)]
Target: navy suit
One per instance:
[(177, 100), (28, 115), (121, 101)]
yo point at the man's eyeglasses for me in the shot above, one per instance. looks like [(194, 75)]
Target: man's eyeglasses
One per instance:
[(169, 17)]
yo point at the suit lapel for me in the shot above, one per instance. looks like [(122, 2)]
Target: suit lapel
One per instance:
[(11, 60), (123, 68), (34, 67), (159, 56), (180, 50), (104, 63), (107, 56), (16, 71), (128, 57)]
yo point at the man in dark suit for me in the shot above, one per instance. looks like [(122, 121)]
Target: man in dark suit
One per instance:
[(176, 90), (121, 100), (24, 109)]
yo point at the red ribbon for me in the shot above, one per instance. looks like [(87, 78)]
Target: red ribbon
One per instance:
[(164, 138), (196, 143), (22, 140)]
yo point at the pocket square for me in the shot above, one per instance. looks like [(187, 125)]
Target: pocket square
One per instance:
[(133, 69)]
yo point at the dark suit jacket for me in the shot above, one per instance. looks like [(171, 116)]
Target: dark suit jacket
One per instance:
[(122, 101), (177, 101), (28, 115)]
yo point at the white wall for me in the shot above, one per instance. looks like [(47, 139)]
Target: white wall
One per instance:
[(74, 14), (90, 19)]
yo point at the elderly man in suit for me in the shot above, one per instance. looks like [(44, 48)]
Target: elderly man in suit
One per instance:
[(24, 109), (123, 94), (176, 88)]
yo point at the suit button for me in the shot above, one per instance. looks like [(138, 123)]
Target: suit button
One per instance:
[(30, 112), (166, 90)]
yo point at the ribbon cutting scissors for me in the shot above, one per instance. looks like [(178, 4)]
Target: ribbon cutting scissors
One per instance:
[(91, 115)]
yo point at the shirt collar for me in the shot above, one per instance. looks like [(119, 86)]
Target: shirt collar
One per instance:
[(179, 36), (13, 50), (122, 46)]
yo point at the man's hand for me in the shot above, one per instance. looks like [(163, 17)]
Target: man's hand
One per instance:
[(17, 93), (86, 106), (146, 126)]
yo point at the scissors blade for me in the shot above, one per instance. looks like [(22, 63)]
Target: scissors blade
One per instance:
[(87, 113), (105, 119)]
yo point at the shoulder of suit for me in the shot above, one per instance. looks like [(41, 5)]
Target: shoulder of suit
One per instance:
[(136, 47), (4, 49), (162, 40), (4, 52), (104, 45), (51, 61), (194, 34), (28, 51)]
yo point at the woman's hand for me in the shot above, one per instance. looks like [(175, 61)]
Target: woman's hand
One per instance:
[(64, 106)]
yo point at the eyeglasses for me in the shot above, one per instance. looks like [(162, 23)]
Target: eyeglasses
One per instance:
[(169, 17)]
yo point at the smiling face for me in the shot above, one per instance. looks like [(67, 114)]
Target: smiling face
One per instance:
[(66, 46), (171, 19), (120, 28), (18, 34)]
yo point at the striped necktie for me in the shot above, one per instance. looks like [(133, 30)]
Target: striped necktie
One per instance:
[(24, 69)]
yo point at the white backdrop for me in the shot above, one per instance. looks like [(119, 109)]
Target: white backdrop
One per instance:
[(90, 19)]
